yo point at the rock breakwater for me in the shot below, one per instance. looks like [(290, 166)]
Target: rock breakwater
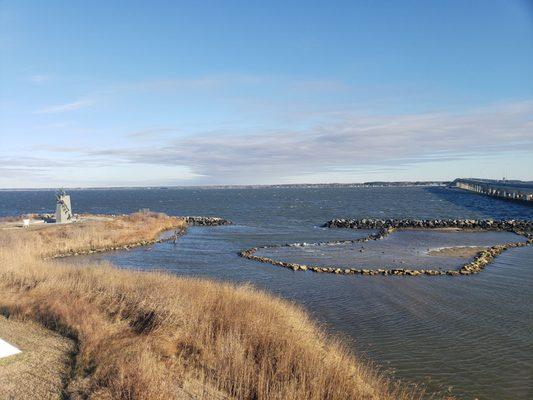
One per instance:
[(385, 227), (116, 247), (517, 226), (206, 221)]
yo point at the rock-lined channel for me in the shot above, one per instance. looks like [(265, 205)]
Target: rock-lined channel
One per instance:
[(385, 227)]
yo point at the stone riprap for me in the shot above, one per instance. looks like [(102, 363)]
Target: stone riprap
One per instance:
[(385, 227), (206, 221), (473, 224), (128, 246)]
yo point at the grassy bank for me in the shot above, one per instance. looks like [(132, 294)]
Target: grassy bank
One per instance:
[(157, 336)]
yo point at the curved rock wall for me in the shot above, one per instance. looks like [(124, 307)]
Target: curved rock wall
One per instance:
[(385, 227)]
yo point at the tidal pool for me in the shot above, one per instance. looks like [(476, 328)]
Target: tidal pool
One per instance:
[(409, 248)]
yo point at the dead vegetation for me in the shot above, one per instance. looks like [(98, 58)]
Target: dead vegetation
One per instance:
[(157, 336), (40, 370)]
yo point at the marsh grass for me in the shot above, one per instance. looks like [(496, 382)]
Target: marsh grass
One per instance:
[(157, 336)]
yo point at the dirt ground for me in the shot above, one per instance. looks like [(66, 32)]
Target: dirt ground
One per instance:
[(39, 371), (38, 223)]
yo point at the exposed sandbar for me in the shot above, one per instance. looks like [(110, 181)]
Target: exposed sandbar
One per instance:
[(458, 252)]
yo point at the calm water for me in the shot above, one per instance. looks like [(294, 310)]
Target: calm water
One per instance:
[(472, 335)]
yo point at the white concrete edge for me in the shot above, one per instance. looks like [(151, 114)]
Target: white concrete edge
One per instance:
[(7, 350)]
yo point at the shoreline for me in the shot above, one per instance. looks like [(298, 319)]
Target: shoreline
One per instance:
[(179, 232), (252, 186)]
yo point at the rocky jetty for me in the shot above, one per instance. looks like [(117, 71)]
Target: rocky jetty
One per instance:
[(128, 246), (206, 221), (385, 227), (473, 224)]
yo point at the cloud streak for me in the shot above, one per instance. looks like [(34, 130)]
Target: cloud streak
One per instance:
[(39, 78), (61, 108), (151, 133), (343, 141)]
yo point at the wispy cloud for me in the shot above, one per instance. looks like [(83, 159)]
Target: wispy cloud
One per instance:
[(60, 108), (343, 141), (151, 133), (207, 82), (58, 149), (224, 81), (337, 144), (54, 125), (39, 78), (319, 85)]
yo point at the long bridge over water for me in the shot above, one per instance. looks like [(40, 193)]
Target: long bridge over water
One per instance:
[(505, 189)]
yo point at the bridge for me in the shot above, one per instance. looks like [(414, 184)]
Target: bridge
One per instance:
[(505, 189)]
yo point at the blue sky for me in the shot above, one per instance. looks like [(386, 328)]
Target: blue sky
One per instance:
[(128, 93)]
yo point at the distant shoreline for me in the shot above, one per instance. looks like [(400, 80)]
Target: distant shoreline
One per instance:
[(273, 186)]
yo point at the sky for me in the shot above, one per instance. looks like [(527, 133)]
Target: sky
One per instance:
[(146, 93)]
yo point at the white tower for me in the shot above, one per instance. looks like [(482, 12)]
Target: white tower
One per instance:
[(63, 208)]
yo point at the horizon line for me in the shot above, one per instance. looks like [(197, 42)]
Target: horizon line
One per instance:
[(265, 185)]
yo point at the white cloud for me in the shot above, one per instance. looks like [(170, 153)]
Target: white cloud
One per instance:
[(60, 108), (151, 133), (39, 78)]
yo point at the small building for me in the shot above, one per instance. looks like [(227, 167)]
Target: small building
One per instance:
[(63, 208)]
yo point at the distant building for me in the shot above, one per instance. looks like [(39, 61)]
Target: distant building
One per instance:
[(63, 208)]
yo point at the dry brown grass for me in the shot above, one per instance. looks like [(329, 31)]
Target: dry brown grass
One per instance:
[(59, 239), (157, 336), (40, 370)]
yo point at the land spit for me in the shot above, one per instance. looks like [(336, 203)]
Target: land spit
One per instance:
[(190, 221), (385, 227), (456, 251)]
